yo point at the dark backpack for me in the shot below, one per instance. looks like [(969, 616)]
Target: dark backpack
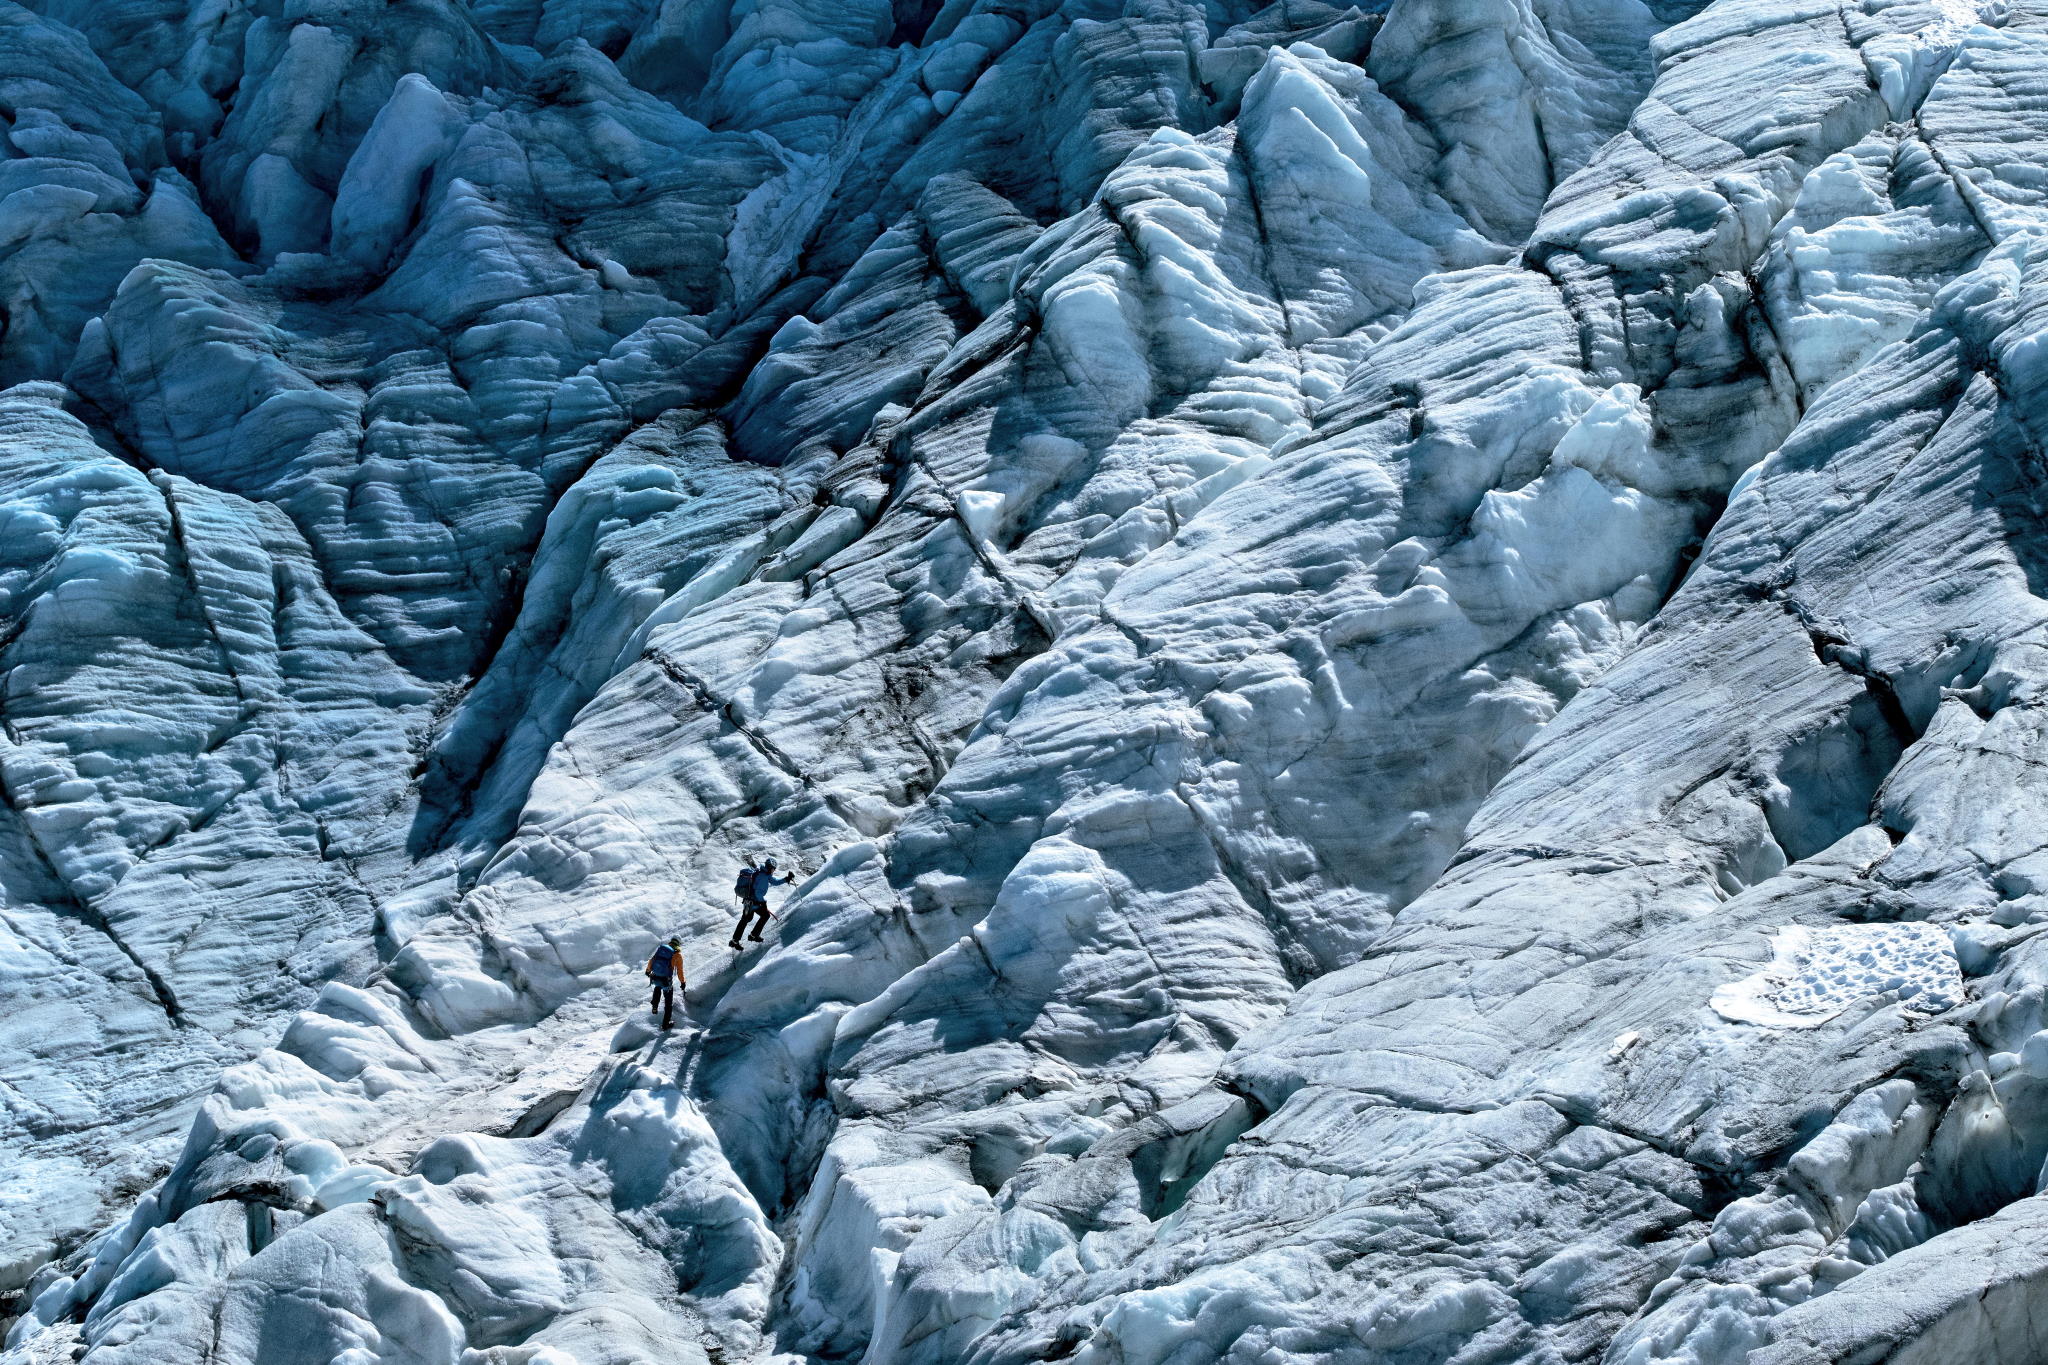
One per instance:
[(744, 887), (664, 963)]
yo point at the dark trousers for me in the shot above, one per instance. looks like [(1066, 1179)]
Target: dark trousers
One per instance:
[(664, 999), (748, 915)]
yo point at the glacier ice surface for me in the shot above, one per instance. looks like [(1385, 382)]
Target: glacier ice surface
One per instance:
[(1400, 649)]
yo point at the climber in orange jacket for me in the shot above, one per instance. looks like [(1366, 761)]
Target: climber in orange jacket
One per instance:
[(665, 971)]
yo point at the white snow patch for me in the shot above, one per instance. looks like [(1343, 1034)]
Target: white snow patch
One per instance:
[(981, 509), (1815, 974)]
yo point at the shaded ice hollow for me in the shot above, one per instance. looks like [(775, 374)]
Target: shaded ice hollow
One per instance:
[(1401, 649)]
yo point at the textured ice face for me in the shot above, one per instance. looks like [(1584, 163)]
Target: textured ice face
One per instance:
[(1303, 588)]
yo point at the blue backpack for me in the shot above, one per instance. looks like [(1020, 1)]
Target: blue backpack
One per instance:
[(664, 964)]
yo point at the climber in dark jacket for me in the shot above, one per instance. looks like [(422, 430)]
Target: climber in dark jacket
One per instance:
[(665, 970), (754, 899)]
